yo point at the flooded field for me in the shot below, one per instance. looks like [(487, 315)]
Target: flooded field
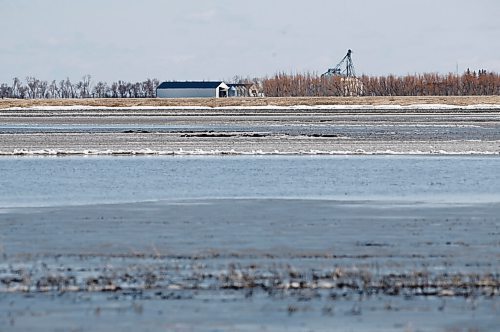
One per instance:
[(285, 219), (291, 130), (252, 242)]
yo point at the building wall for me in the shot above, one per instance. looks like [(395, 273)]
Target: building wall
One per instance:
[(352, 86), (186, 93), (248, 90)]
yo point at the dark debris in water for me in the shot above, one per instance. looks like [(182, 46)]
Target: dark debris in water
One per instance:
[(170, 279)]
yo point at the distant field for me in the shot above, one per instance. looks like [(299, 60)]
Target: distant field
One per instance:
[(212, 102)]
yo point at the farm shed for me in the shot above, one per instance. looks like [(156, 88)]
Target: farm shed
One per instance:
[(192, 90), (243, 90)]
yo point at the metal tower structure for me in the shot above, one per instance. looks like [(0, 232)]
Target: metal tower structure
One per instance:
[(344, 68)]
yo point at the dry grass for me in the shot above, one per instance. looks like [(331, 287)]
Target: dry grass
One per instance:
[(212, 102)]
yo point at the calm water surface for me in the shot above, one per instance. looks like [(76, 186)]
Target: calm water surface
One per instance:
[(53, 181)]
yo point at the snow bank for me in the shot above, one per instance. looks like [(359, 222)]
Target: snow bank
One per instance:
[(268, 107)]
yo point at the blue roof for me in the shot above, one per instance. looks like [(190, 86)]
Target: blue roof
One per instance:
[(189, 85)]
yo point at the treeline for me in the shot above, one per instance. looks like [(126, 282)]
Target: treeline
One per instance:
[(34, 88), (300, 85), (431, 84), (279, 85)]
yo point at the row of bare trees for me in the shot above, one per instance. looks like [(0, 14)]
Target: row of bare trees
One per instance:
[(279, 85), (303, 85), (34, 88), (469, 83)]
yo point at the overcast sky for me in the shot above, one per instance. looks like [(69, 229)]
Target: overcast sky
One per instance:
[(218, 39)]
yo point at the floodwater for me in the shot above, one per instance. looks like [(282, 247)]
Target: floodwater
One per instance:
[(250, 219), (53, 181), (225, 243), (249, 131)]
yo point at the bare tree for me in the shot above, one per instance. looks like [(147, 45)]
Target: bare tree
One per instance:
[(114, 90), (53, 90), (16, 84), (5, 91), (32, 85), (100, 90), (85, 86), (122, 89)]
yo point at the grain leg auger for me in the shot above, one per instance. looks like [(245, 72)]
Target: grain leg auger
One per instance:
[(344, 68)]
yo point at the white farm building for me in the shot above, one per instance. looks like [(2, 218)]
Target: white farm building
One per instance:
[(192, 90)]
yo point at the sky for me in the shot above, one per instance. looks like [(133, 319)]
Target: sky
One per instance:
[(218, 39)]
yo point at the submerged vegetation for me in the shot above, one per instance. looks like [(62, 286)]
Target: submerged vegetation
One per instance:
[(470, 83)]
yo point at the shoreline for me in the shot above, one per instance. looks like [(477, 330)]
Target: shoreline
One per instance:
[(229, 153)]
